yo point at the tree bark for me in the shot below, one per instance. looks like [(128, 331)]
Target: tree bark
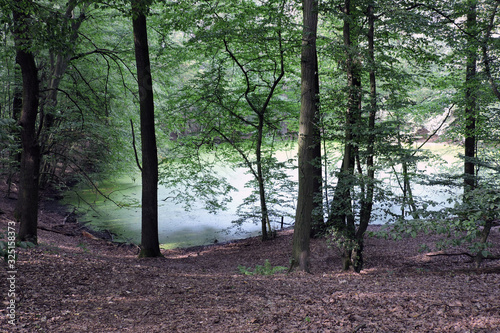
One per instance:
[(30, 156), (470, 102), (341, 214), (308, 140), (149, 236), (260, 180), (367, 200)]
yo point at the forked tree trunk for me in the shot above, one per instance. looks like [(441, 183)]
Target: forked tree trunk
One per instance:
[(341, 213), (30, 156), (149, 219), (308, 140)]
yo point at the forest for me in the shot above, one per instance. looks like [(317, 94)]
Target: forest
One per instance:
[(371, 127)]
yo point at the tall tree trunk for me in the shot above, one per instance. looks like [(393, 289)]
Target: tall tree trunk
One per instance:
[(30, 156), (308, 140), (318, 226), (341, 215), (367, 200), (149, 237), (470, 101)]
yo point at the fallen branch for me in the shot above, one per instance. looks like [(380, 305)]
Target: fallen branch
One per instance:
[(441, 253), (65, 233)]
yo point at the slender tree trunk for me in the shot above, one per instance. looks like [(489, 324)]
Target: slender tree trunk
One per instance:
[(30, 156), (470, 102), (149, 237), (260, 112), (367, 201), (308, 140), (260, 180)]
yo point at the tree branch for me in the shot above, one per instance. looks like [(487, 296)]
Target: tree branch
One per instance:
[(133, 144)]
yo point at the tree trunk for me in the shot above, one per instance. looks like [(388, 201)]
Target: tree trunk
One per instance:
[(367, 200), (260, 180), (307, 138), (149, 237), (470, 102), (341, 213), (30, 156), (318, 226)]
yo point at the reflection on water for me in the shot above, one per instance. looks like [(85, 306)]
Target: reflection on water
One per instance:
[(176, 226), (181, 228)]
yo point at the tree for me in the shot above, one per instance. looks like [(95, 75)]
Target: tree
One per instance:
[(38, 29), (366, 53), (342, 218), (464, 29), (309, 141), (63, 42), (470, 111), (239, 98), (149, 238), (30, 157)]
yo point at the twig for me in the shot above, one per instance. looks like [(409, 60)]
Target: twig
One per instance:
[(437, 129), (133, 144)]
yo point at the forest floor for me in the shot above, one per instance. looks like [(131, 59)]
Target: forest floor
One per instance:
[(73, 283)]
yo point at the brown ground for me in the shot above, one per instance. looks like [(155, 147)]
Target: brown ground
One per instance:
[(78, 284)]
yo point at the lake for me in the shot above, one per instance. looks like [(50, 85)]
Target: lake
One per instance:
[(176, 226), (181, 228)]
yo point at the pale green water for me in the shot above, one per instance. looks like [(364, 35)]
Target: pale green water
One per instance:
[(176, 226), (180, 228)]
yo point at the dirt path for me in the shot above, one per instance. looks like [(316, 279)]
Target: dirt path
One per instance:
[(78, 284)]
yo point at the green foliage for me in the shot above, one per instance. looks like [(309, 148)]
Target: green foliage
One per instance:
[(341, 240), (214, 66), (9, 147), (193, 178), (465, 223), (281, 192), (266, 269), (235, 93)]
